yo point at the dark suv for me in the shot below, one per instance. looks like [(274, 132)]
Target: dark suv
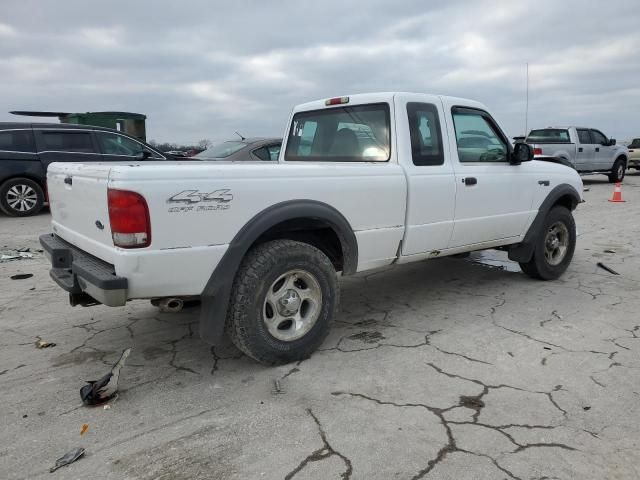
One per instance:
[(26, 149)]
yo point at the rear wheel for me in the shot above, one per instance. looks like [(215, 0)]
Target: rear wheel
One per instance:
[(554, 246), (21, 197), (284, 297), (617, 172)]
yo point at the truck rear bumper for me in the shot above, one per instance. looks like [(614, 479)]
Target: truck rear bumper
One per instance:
[(79, 273)]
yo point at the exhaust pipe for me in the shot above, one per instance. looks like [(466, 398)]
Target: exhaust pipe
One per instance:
[(170, 304)]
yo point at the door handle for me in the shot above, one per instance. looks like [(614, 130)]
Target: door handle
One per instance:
[(470, 181), (580, 150), (546, 183), (598, 149)]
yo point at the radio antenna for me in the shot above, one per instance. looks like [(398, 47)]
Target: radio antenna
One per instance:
[(526, 111)]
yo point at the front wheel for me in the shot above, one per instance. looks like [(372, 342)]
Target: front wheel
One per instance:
[(554, 246), (617, 171), (284, 297)]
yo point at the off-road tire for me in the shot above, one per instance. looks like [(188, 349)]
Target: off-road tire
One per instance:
[(21, 182), (538, 267), (261, 267), (617, 171)]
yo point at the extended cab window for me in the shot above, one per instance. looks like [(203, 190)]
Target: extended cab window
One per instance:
[(477, 138), (426, 137), (17, 141), (68, 142), (549, 135), (341, 134), (114, 144)]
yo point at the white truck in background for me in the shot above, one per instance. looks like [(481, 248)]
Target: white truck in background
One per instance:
[(362, 182), (588, 150)]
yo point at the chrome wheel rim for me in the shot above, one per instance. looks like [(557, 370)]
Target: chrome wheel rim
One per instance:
[(292, 305), (620, 171), (556, 243), (22, 198)]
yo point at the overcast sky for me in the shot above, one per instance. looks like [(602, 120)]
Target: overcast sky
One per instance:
[(203, 69)]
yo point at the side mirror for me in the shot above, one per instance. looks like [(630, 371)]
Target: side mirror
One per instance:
[(522, 152), (144, 154), (612, 142)]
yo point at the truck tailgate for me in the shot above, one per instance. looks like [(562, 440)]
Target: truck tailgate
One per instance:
[(78, 202)]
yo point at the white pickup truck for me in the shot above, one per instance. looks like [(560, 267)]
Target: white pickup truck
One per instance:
[(362, 182)]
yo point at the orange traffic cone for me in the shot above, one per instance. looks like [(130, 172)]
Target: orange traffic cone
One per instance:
[(617, 193)]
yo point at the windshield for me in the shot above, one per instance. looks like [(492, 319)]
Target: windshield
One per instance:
[(221, 150), (549, 135), (635, 143), (342, 134)]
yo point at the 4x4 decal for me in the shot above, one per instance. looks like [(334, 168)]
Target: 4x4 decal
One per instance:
[(217, 200)]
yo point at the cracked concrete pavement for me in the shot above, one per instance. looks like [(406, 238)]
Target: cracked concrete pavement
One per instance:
[(443, 369)]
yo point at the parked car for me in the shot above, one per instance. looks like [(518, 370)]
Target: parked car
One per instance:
[(587, 149), (634, 154), (26, 149), (246, 149), (365, 181)]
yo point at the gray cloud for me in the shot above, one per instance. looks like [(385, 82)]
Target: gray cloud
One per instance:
[(203, 69)]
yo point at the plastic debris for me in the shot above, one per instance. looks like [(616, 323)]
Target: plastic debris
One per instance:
[(107, 407), (84, 428), (44, 344), (21, 276), (97, 392), (67, 458), (609, 251), (608, 269), (277, 387), (15, 255)]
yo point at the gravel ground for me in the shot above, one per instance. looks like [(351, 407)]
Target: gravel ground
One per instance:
[(449, 369)]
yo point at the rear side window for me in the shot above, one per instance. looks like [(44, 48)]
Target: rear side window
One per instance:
[(17, 141), (114, 144), (341, 134), (426, 137), (584, 136), (68, 142), (549, 135), (269, 152)]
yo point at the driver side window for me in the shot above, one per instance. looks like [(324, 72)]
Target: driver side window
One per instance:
[(477, 139), (599, 138)]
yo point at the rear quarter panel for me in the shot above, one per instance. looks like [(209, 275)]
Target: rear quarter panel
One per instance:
[(371, 196)]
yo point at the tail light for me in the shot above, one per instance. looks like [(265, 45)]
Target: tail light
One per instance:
[(129, 218), (537, 151)]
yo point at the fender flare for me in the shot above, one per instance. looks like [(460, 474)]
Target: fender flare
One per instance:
[(215, 296), (523, 251)]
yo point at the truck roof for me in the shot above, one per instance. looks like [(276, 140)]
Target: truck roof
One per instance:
[(374, 97), (565, 127)]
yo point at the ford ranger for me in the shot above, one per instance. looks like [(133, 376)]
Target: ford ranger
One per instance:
[(362, 182), (586, 149)]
